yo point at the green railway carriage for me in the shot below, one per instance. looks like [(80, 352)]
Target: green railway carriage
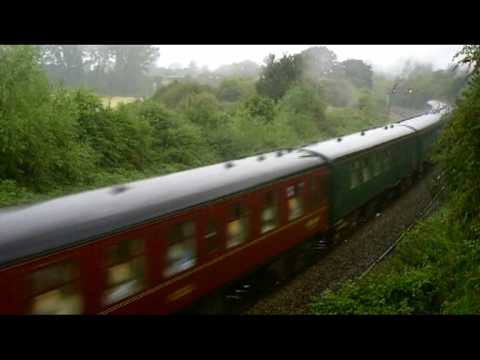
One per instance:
[(427, 130), (364, 164)]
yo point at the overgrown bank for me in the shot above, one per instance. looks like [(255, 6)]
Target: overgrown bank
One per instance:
[(434, 270)]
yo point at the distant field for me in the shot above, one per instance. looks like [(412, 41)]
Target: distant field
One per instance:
[(114, 101)]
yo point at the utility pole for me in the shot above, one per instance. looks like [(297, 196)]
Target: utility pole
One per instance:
[(392, 92), (389, 105)]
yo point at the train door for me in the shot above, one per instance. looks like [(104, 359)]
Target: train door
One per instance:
[(268, 214), (294, 199), (212, 232), (9, 303), (317, 190)]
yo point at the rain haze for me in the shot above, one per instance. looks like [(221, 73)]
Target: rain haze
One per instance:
[(386, 58)]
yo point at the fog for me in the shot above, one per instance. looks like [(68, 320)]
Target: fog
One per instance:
[(384, 58)]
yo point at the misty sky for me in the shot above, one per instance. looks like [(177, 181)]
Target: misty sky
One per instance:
[(383, 57)]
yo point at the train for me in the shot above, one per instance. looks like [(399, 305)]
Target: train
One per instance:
[(175, 242)]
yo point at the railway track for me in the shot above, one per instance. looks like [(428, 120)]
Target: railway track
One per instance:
[(427, 211), (354, 255)]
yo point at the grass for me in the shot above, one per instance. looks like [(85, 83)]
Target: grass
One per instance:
[(115, 101)]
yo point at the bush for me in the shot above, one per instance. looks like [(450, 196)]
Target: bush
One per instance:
[(235, 90), (434, 271), (304, 106), (201, 109), (173, 94), (457, 152), (175, 139)]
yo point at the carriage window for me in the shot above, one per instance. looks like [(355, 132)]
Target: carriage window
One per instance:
[(386, 160), (126, 270), (356, 175), (269, 212), (237, 228), (316, 191), (365, 170), (181, 248), (377, 165), (54, 290), (295, 202), (211, 237)]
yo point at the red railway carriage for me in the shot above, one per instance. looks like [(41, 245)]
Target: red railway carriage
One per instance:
[(156, 246)]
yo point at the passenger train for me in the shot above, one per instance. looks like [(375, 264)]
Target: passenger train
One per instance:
[(166, 244)]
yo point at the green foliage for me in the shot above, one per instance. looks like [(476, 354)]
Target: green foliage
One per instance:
[(401, 294), (278, 76), (459, 156), (346, 120), (261, 107), (359, 73), (434, 271), (59, 140), (338, 92), (38, 142), (319, 63), (305, 107), (245, 69), (372, 106), (12, 194), (175, 139), (173, 94), (201, 109), (119, 70), (421, 83), (235, 90)]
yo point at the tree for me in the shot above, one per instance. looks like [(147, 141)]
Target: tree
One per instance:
[(234, 89), (64, 63), (100, 63), (39, 146), (261, 107), (319, 62), (458, 150), (176, 140), (173, 94), (201, 109), (420, 83), (305, 105), (244, 69), (338, 92), (278, 76), (110, 69), (132, 63), (359, 73)]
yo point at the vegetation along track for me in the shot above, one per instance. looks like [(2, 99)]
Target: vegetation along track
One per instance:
[(353, 256)]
